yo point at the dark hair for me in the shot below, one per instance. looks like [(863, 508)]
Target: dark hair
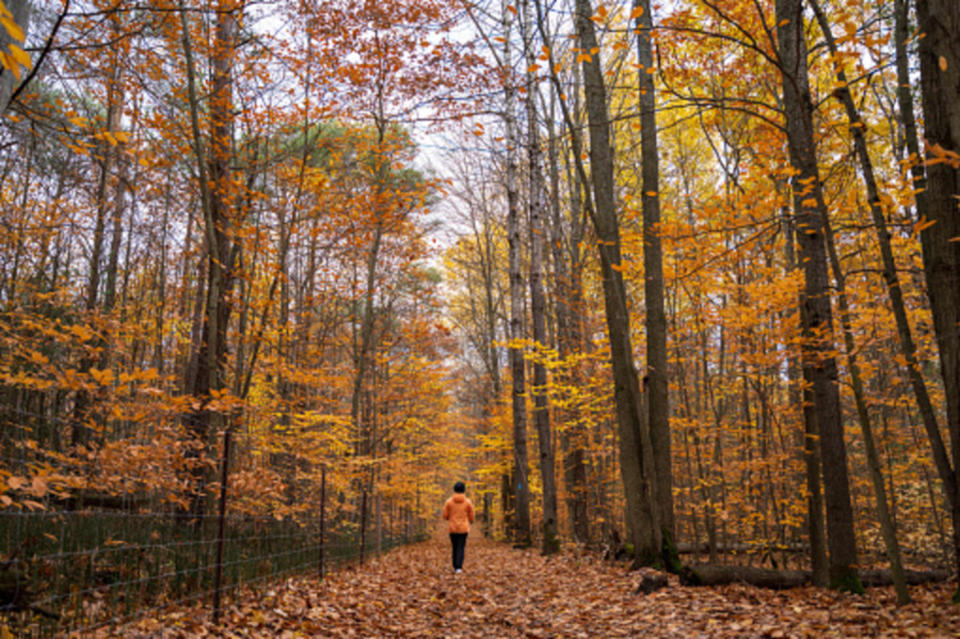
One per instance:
[(459, 487)]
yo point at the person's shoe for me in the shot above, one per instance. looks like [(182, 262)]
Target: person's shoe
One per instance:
[(458, 570)]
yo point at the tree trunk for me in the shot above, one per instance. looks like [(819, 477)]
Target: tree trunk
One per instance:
[(810, 436), (656, 321), (537, 208), (107, 154), (888, 531), (207, 372), (903, 328), (568, 337), (907, 347), (939, 22), (521, 520), (818, 321), (636, 453)]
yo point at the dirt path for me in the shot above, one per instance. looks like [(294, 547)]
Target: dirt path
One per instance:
[(412, 592)]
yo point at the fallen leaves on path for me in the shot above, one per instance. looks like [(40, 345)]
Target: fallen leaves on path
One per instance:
[(412, 592)]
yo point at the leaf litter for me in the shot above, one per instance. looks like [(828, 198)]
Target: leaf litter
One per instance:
[(504, 592)]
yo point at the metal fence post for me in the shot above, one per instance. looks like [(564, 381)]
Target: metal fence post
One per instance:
[(218, 574), (323, 506)]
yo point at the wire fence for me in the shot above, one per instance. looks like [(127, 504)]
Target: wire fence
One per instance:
[(71, 566), (79, 570)]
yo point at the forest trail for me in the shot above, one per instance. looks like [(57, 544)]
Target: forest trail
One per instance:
[(504, 592)]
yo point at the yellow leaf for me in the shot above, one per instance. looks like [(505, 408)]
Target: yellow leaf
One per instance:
[(533, 68), (922, 225), (636, 13), (783, 22), (103, 377), (23, 57), (512, 9), (9, 63), (809, 202), (81, 332), (584, 57), (16, 33), (943, 63)]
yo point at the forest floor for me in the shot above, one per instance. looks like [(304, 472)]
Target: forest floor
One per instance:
[(503, 592)]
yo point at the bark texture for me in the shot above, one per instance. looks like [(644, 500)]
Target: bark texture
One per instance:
[(818, 347), (939, 22), (639, 478)]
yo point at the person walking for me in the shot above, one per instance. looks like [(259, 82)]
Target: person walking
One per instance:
[(459, 512)]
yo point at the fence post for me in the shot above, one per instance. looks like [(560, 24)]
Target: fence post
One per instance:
[(363, 525), (323, 506), (218, 575)]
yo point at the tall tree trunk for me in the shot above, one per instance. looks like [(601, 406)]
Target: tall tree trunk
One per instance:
[(636, 451), (801, 395), (896, 297), (207, 372), (82, 408), (887, 528), (909, 122), (568, 336), (537, 208), (818, 321), (160, 285), (658, 403), (366, 337), (521, 521), (939, 22)]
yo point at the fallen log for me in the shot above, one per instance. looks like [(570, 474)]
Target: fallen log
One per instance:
[(704, 548), (713, 575), (883, 577)]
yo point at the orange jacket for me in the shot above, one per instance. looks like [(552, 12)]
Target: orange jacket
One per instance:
[(459, 512)]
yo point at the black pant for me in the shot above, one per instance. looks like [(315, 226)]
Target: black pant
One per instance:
[(459, 542)]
